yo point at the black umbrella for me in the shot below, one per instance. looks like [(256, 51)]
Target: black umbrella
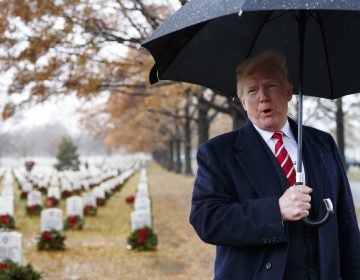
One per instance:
[(204, 41)]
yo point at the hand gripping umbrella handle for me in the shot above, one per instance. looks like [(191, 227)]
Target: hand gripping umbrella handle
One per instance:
[(325, 219)]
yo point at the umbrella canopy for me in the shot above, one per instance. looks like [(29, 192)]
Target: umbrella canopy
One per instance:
[(204, 41)]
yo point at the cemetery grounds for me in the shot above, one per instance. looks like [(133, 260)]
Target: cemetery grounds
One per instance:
[(99, 250)]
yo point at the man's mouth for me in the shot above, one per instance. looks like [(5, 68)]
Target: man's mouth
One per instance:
[(266, 111)]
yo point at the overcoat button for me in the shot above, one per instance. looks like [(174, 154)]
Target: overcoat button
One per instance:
[(268, 265)]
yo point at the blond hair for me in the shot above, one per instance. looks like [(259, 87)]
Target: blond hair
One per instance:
[(272, 58)]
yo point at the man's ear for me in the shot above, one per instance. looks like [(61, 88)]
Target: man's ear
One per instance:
[(242, 100), (289, 91)]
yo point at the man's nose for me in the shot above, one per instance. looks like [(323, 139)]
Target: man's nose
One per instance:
[(263, 94)]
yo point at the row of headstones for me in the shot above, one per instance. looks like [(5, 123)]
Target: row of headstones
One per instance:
[(105, 187), (67, 182), (51, 220), (141, 216), (7, 183), (89, 200), (43, 177), (94, 174)]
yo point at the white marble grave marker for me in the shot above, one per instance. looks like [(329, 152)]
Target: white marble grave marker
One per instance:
[(53, 191), (10, 246), (6, 205), (51, 219), (26, 187), (143, 177), (89, 199), (75, 206), (142, 192), (140, 219), (99, 192), (34, 198), (8, 191), (142, 203)]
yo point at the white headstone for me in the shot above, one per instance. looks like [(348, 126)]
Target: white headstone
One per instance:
[(51, 219), (99, 192), (77, 185), (34, 198), (86, 184), (26, 187), (10, 246), (143, 178), (143, 185), (143, 173), (140, 219), (89, 199), (142, 203), (6, 205), (75, 206), (8, 191), (142, 192), (53, 191), (8, 179), (66, 186)]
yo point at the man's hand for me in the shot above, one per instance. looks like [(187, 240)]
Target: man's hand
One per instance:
[(295, 203)]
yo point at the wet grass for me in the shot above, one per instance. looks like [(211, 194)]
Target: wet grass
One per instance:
[(354, 174)]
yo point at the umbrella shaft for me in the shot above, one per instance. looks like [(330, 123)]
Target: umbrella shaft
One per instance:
[(301, 34), (299, 120)]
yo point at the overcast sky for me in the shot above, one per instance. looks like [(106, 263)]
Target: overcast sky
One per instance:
[(62, 110)]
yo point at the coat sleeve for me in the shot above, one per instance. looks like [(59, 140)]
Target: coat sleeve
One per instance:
[(349, 234), (220, 218)]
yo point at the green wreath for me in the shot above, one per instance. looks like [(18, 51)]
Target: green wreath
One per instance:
[(7, 221), (11, 270), (34, 210), (51, 241), (143, 239), (74, 223)]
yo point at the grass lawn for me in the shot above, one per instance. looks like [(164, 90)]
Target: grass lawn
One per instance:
[(354, 174)]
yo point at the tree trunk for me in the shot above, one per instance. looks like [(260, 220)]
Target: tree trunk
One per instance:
[(340, 136), (187, 143), (160, 157), (237, 118), (171, 156), (238, 114), (203, 121), (177, 167), (177, 142)]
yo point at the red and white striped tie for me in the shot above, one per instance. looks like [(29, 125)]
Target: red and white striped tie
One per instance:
[(283, 158)]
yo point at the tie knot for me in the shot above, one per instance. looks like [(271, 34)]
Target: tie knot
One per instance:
[(278, 135)]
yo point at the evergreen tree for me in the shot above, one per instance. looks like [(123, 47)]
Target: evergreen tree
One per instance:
[(67, 156)]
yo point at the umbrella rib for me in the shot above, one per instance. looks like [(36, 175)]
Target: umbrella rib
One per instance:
[(274, 18), (258, 33), (326, 54)]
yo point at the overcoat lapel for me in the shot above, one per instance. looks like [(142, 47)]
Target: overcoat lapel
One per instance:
[(259, 163)]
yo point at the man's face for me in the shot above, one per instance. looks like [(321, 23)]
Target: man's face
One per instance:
[(265, 97)]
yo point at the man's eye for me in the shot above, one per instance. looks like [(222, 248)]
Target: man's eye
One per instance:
[(252, 91), (272, 85)]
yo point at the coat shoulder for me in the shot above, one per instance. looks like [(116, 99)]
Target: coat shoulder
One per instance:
[(222, 141), (317, 133)]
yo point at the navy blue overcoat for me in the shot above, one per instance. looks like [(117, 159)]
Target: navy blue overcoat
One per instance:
[(235, 206)]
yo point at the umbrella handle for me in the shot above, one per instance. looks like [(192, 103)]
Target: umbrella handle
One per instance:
[(325, 219), (329, 211)]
